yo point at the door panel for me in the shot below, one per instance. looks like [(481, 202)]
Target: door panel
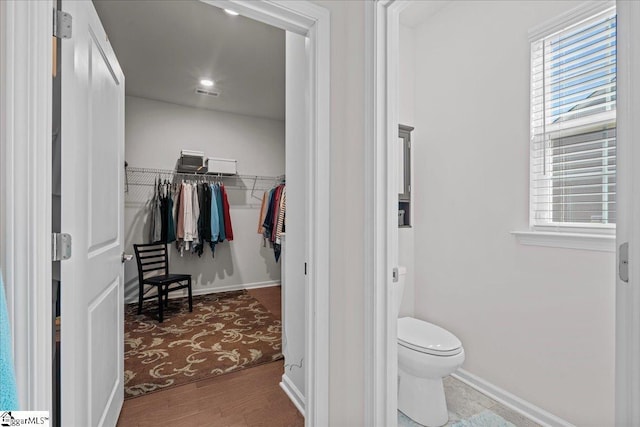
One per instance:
[(92, 306), (103, 160), (106, 375)]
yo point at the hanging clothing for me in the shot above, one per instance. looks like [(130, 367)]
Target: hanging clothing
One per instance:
[(196, 215), (228, 229), (206, 213), (263, 211), (180, 216), (156, 215), (215, 221), (281, 215), (171, 228), (222, 236), (156, 224), (277, 248), (268, 218), (275, 217), (198, 247), (188, 215), (162, 227), (276, 212), (199, 213)]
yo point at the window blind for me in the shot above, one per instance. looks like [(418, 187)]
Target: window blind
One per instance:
[(573, 124)]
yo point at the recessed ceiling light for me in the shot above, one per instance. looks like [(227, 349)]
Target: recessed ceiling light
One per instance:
[(206, 82), (231, 12)]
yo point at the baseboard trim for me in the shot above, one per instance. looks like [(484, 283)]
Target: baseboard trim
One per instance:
[(521, 406), (294, 394), (210, 290)]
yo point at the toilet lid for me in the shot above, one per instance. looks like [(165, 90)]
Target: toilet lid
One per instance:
[(427, 338)]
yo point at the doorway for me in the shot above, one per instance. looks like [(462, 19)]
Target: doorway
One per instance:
[(385, 29), (297, 20)]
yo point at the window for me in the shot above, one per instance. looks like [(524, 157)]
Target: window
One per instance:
[(573, 125)]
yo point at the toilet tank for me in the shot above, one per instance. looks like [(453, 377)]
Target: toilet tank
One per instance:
[(398, 289)]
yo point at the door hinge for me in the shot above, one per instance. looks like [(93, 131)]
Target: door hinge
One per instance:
[(62, 24), (409, 144), (60, 246), (623, 262), (395, 275), (305, 268)]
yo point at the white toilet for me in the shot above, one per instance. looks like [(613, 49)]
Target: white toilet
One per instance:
[(426, 354)]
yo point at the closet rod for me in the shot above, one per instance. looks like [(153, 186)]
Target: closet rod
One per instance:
[(148, 177)]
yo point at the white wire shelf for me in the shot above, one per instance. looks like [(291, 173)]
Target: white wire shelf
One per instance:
[(137, 176)]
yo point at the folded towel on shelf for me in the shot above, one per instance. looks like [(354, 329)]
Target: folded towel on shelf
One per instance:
[(8, 390)]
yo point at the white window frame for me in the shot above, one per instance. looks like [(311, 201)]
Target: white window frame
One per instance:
[(598, 237)]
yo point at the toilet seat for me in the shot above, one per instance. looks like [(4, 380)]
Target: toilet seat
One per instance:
[(427, 338)]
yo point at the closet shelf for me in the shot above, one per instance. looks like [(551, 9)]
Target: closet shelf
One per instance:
[(136, 176)]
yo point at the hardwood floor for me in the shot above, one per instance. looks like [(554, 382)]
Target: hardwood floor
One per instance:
[(250, 397), (270, 298)]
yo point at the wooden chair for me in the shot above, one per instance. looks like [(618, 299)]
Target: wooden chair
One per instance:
[(153, 270)]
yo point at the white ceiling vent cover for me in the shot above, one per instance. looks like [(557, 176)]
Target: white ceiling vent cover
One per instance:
[(207, 92)]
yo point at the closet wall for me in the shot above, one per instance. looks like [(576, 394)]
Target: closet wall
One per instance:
[(155, 133)]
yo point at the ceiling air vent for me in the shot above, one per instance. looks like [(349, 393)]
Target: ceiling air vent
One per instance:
[(207, 92)]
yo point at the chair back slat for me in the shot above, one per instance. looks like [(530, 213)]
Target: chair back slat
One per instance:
[(154, 260), (154, 266), (156, 270), (145, 251)]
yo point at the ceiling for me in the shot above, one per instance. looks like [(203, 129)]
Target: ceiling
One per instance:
[(166, 46), (417, 12)]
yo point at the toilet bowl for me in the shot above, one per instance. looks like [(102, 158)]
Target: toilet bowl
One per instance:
[(426, 354)]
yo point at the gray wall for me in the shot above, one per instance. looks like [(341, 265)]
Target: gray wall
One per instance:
[(294, 280), (346, 237), (155, 134)]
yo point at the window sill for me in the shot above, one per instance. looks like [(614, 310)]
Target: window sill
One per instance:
[(554, 239)]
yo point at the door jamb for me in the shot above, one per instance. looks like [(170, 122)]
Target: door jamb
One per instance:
[(25, 148), (382, 20)]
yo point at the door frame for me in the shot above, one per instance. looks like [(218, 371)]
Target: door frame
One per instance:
[(382, 29), (382, 22), (25, 188), (25, 191)]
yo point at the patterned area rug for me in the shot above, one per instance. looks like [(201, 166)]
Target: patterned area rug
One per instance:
[(226, 332)]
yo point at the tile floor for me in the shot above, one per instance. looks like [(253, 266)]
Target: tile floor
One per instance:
[(470, 408)]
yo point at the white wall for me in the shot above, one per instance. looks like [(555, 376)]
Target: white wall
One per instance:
[(293, 278), (155, 134), (538, 322), (407, 77)]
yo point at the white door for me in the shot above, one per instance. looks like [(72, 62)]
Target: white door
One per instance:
[(92, 306)]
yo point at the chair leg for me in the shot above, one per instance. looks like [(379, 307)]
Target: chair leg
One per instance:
[(166, 296), (190, 296), (160, 304), (140, 294)]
